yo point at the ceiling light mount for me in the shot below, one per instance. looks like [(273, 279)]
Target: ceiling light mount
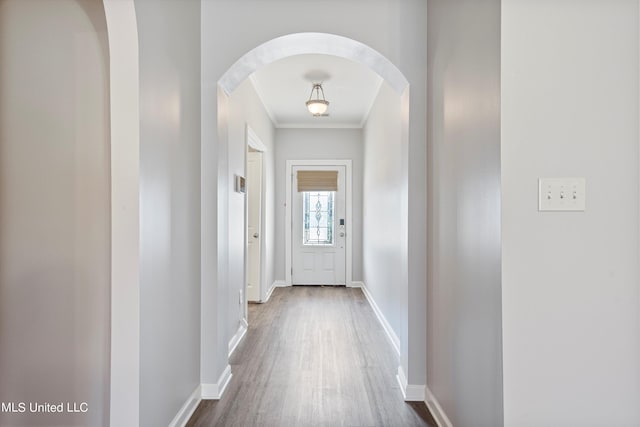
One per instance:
[(317, 106)]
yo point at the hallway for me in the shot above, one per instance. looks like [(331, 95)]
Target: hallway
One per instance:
[(491, 155), (313, 356)]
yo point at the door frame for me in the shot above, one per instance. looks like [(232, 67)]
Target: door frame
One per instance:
[(254, 142), (348, 214)]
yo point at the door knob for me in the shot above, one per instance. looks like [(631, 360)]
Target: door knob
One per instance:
[(342, 234), (255, 235)]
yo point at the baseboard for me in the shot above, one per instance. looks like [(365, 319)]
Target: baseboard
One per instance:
[(356, 284), (414, 393), (274, 285), (269, 292), (187, 409), (402, 381), (410, 392), (237, 338), (436, 410), (215, 391), (393, 338)]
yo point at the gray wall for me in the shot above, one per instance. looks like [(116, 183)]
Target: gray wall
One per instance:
[(571, 280), (169, 36), (54, 209), (245, 108), (464, 370), (383, 243), (318, 144)]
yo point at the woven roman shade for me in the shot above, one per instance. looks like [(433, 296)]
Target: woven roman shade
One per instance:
[(317, 180)]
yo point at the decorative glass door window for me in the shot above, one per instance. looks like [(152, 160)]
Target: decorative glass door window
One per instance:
[(317, 217)]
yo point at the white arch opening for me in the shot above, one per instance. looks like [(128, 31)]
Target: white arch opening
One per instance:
[(312, 43), (343, 47)]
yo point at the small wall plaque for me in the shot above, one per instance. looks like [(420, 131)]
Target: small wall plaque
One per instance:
[(240, 184)]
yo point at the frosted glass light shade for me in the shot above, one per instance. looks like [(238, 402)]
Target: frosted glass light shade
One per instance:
[(317, 107)]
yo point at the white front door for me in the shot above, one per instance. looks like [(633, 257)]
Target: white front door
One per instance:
[(254, 234), (318, 255)]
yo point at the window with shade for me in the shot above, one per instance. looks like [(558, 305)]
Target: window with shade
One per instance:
[(318, 190)]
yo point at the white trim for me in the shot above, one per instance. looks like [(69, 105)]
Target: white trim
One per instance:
[(122, 34), (317, 43), (348, 213), (318, 125), (224, 380), (402, 381), (253, 140), (215, 391), (436, 410), (410, 392), (269, 292), (188, 408), (391, 335), (237, 337), (414, 393), (274, 285), (209, 391), (356, 284)]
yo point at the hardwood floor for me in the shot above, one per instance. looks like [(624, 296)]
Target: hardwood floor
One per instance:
[(313, 356)]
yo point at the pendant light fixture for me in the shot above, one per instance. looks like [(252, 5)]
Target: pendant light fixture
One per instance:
[(317, 106)]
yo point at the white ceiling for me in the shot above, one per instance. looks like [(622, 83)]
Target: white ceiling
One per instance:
[(284, 87)]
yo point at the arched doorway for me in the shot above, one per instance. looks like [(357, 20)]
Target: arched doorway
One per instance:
[(271, 51), (55, 209), (125, 340)]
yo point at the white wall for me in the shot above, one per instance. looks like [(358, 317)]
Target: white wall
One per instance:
[(124, 388), (383, 244), (397, 31), (169, 37), (464, 310), (245, 108), (571, 285), (318, 144), (54, 209)]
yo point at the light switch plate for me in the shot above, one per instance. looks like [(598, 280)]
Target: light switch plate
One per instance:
[(561, 194)]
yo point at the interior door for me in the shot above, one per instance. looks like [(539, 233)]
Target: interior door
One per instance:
[(254, 219), (318, 255)]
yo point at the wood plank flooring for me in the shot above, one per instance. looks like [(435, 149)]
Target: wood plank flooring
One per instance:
[(313, 356)]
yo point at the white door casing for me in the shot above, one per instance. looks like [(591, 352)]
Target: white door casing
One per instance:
[(319, 264), (254, 220), (322, 258)]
